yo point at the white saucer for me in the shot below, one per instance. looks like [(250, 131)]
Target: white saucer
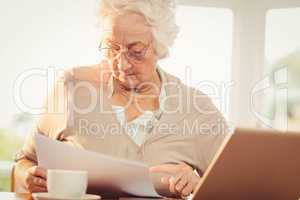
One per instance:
[(47, 196)]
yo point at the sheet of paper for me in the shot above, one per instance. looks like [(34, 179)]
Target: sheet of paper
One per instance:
[(104, 171)]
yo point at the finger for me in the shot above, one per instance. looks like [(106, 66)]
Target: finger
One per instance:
[(181, 183), (38, 171), (165, 168), (166, 179), (31, 182), (39, 182), (35, 188), (188, 189), (175, 180), (172, 185), (178, 177)]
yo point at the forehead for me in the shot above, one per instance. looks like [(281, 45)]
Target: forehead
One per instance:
[(127, 28)]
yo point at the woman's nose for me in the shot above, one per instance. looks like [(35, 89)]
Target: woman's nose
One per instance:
[(123, 63)]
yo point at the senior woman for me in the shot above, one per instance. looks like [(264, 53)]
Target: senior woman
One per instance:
[(128, 107)]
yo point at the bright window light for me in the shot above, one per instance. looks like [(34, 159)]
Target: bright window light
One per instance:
[(203, 50)]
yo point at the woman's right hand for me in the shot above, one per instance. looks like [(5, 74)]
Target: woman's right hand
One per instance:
[(36, 179)]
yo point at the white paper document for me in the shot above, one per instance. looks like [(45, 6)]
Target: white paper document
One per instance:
[(104, 171)]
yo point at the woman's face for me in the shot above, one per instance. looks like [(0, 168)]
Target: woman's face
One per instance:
[(127, 44)]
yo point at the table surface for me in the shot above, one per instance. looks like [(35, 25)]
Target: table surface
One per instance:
[(19, 196), (14, 196)]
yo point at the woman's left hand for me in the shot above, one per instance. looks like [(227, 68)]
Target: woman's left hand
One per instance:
[(182, 179)]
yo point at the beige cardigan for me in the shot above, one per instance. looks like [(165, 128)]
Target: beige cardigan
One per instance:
[(190, 130)]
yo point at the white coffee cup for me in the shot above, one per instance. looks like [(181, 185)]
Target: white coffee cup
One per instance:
[(66, 183)]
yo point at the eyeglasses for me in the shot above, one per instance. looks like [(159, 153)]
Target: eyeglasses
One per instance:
[(135, 52)]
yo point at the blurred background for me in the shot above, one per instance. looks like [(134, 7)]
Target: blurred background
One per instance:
[(225, 48)]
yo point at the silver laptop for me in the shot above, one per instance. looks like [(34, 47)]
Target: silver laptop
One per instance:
[(254, 165)]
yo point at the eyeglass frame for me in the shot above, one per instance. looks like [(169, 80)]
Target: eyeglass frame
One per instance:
[(126, 50)]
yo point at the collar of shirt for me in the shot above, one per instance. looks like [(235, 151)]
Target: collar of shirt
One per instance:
[(138, 128), (163, 94)]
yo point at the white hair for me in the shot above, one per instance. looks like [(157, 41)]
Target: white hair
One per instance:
[(159, 14)]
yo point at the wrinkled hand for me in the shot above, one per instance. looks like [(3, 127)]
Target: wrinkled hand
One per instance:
[(35, 180), (181, 178)]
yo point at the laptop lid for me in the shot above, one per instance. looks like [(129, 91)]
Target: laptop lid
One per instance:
[(254, 164)]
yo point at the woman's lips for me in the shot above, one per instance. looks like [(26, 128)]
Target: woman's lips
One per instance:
[(126, 74)]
